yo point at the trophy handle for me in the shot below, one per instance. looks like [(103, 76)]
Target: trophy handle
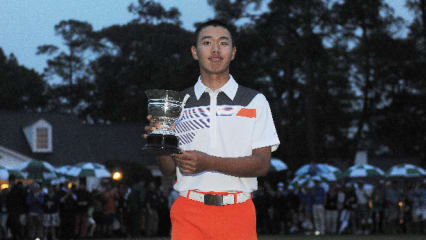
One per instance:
[(183, 104)]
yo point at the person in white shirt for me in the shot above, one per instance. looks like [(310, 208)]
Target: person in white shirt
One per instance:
[(226, 135), (362, 197)]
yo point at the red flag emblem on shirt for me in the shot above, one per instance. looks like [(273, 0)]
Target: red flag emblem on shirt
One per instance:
[(247, 112)]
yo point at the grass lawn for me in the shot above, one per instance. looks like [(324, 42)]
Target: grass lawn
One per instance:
[(334, 237), (344, 237)]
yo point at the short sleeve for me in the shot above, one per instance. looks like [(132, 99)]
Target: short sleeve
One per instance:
[(264, 132)]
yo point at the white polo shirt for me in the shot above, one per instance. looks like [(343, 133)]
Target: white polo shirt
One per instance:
[(229, 122)]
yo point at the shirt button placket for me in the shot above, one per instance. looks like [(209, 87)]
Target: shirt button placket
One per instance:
[(213, 118)]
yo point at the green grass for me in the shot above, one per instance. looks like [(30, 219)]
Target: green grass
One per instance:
[(344, 237), (334, 237)]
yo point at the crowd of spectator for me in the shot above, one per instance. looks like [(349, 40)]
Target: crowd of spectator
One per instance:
[(30, 211), (342, 208)]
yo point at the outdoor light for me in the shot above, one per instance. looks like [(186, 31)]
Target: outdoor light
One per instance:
[(4, 186), (117, 176)]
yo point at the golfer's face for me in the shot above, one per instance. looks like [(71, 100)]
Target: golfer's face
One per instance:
[(214, 50)]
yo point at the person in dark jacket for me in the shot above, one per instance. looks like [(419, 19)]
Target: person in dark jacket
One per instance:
[(262, 199), (318, 207), (136, 206), (164, 223), (35, 201), (17, 208), (350, 203), (67, 209), (51, 218), (331, 211), (81, 214), (152, 206), (378, 208), (293, 205), (281, 210)]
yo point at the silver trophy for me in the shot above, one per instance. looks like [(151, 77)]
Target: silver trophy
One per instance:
[(165, 107)]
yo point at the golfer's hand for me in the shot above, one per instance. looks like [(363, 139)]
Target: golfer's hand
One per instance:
[(151, 127), (191, 162)]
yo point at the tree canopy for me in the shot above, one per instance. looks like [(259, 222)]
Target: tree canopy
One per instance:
[(20, 88), (338, 74)]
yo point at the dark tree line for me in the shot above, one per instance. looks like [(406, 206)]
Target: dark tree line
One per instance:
[(20, 88), (340, 75)]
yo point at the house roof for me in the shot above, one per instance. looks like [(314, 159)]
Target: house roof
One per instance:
[(74, 141)]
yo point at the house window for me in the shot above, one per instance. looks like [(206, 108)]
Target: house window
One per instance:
[(42, 135)]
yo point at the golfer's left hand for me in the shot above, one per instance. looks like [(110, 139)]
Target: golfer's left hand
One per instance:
[(191, 162)]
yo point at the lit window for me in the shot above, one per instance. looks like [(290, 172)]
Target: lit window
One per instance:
[(42, 138)]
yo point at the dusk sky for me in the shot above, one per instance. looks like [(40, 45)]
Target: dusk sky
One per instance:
[(26, 24)]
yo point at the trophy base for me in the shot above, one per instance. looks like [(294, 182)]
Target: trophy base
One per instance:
[(162, 144)]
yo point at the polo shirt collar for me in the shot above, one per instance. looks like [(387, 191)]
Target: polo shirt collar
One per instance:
[(230, 88)]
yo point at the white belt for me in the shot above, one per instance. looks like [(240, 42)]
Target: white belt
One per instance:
[(216, 199)]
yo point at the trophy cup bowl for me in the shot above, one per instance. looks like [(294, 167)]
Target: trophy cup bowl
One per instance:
[(165, 107)]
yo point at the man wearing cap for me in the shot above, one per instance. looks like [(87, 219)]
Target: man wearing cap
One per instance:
[(226, 134)]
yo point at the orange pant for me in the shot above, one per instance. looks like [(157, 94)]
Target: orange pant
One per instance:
[(192, 220)]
